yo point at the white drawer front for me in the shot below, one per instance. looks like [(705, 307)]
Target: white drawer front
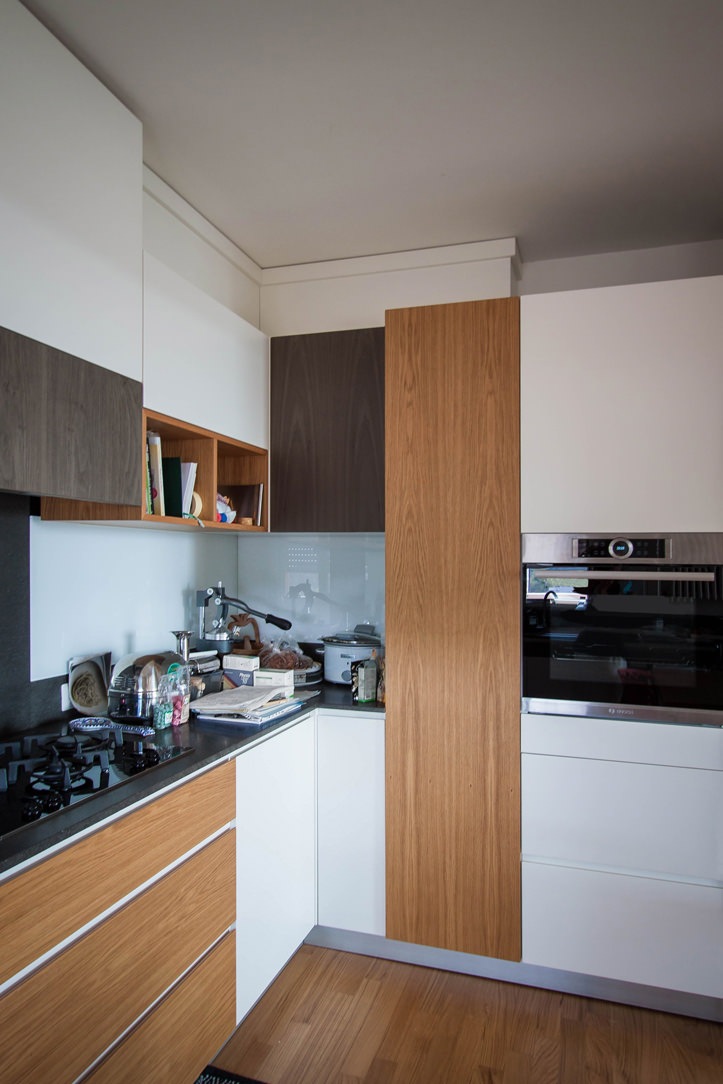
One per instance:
[(660, 933), (616, 739), (633, 817)]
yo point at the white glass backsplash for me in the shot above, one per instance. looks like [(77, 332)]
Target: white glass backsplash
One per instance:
[(118, 589), (323, 583)]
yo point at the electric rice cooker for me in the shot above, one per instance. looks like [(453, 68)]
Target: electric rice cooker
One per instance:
[(344, 648)]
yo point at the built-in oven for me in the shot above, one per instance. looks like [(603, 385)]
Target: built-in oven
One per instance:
[(627, 627)]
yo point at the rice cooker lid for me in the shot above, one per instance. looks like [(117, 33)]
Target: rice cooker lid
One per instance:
[(352, 639)]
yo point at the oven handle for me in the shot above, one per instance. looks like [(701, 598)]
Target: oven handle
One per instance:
[(614, 574)]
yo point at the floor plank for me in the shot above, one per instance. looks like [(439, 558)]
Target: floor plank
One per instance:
[(338, 1018)]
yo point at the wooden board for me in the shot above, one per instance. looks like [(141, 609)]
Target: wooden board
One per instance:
[(69, 1011), (48, 902), (182, 1034), (453, 627)]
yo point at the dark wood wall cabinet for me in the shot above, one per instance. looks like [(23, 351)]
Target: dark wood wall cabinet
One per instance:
[(67, 428), (327, 431)]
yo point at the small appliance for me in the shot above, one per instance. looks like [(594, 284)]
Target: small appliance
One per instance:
[(135, 683), (344, 648), (213, 606), (625, 627)]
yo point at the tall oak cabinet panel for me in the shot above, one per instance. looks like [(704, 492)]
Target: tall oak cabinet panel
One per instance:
[(452, 627)]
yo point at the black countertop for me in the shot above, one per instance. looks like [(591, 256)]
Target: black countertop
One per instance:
[(210, 742)]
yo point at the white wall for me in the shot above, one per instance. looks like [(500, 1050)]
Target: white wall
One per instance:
[(341, 294), (119, 589), (185, 241), (622, 268)]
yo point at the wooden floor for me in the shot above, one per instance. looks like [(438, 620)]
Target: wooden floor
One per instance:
[(338, 1018)]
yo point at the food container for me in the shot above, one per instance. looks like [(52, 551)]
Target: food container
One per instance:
[(344, 648), (364, 681)]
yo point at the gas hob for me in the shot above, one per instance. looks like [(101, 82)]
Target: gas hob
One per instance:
[(44, 773)]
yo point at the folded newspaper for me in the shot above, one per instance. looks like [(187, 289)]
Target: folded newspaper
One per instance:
[(247, 698)]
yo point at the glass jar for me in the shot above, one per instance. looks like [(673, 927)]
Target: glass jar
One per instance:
[(174, 698)]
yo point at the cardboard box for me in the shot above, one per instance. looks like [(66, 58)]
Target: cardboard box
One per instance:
[(233, 679), (241, 662), (284, 678)]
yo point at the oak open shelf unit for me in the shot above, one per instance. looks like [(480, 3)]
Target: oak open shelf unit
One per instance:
[(223, 465)]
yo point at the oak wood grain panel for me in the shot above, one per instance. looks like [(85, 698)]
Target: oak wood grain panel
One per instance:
[(46, 903), (327, 431), (343, 1018), (453, 627), (57, 508), (67, 428), (182, 1034), (221, 462), (68, 1012)]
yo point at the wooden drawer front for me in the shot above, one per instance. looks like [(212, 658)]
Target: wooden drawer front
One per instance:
[(43, 905), (184, 1032), (69, 1011)]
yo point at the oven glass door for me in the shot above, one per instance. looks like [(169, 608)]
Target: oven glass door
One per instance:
[(637, 642)]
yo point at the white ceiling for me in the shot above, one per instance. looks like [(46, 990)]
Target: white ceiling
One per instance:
[(309, 130)]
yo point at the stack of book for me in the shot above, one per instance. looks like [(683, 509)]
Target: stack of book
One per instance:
[(247, 705), (169, 481)]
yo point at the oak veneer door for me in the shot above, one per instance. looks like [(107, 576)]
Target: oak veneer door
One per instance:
[(452, 627)]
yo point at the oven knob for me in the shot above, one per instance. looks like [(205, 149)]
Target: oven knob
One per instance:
[(133, 759), (52, 801), (32, 809), (620, 547)]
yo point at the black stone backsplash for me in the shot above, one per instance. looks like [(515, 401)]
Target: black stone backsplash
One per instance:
[(23, 704), (15, 610)]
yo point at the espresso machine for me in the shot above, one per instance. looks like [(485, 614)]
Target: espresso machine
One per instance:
[(214, 607)]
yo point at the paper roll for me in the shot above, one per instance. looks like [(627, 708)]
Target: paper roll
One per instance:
[(196, 505)]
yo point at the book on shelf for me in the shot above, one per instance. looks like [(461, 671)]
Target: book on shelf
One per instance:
[(249, 502), (155, 456), (172, 486), (188, 481), (149, 487)]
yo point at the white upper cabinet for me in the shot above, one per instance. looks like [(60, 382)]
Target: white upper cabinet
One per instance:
[(622, 408), (201, 362), (70, 202)]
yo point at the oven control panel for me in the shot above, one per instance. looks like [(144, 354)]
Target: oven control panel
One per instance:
[(642, 549)]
